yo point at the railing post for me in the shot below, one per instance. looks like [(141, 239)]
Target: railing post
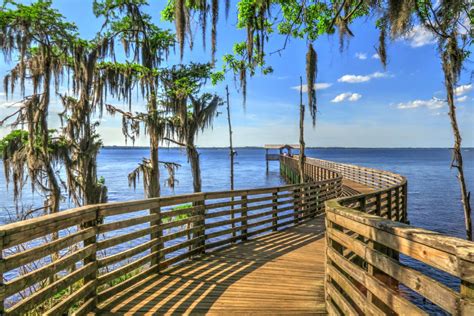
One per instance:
[(467, 293), (275, 211), (370, 271), (201, 223), (389, 204), (156, 236), (2, 285), (362, 202), (378, 208), (92, 258), (296, 205), (310, 201), (405, 204), (398, 215), (243, 215)]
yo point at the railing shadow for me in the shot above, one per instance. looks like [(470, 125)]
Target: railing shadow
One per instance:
[(194, 287)]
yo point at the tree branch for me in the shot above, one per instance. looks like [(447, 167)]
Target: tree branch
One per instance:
[(174, 141)]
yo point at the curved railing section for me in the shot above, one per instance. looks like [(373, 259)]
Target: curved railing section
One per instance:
[(367, 246), (100, 250), (374, 178)]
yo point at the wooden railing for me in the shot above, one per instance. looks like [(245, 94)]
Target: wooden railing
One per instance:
[(364, 276), (313, 172), (99, 250), (368, 247), (377, 179)]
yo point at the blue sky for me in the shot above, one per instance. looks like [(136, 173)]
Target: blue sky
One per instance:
[(360, 104)]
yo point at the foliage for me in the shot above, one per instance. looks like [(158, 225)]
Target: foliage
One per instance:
[(189, 112), (14, 138), (306, 20), (167, 219)]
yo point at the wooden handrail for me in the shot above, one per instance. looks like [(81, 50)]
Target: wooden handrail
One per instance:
[(105, 248), (365, 237)]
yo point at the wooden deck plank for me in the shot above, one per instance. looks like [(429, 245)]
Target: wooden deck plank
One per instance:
[(280, 273), (355, 186)]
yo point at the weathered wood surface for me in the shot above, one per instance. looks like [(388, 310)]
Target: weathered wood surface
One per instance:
[(356, 187), (280, 273)]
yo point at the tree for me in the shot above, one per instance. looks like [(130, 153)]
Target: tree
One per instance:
[(147, 45), (445, 22), (41, 37), (190, 113), (444, 19), (50, 50), (79, 128)]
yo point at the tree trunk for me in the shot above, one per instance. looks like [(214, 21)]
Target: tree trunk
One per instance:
[(231, 147), (457, 161), (232, 154), (41, 128), (93, 192), (302, 144), (154, 177), (193, 156)]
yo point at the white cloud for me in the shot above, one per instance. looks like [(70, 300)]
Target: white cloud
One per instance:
[(463, 89), (375, 56), (355, 97), (462, 99), (353, 78), (361, 78), (349, 96), (419, 36), (361, 56), (431, 104), (317, 86)]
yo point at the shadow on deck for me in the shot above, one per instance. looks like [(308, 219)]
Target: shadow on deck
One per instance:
[(279, 273)]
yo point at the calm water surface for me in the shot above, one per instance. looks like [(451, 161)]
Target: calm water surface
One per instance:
[(434, 198)]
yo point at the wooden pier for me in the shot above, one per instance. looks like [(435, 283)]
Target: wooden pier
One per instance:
[(332, 244), (280, 273)]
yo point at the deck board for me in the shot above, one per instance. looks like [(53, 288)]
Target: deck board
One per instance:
[(355, 187), (280, 273)]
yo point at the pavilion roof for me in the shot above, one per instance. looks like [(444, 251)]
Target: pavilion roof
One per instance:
[(280, 146)]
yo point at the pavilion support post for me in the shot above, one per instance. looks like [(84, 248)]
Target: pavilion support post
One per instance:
[(266, 158)]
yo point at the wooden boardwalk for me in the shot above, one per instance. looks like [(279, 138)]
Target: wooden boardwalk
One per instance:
[(279, 273)]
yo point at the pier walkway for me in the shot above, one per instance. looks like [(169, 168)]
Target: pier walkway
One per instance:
[(338, 243), (279, 273)]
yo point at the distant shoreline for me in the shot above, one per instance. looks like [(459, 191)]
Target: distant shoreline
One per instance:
[(261, 147)]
